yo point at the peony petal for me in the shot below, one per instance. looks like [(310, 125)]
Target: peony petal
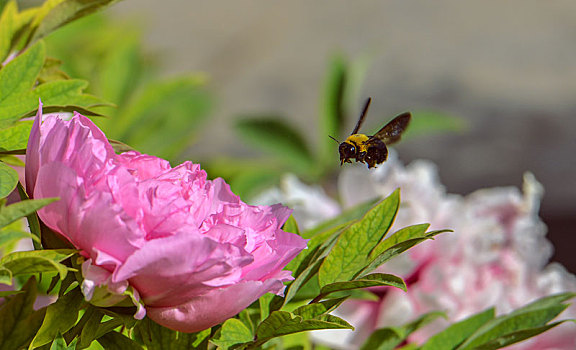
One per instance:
[(32, 153), (74, 215), (168, 271), (208, 310)]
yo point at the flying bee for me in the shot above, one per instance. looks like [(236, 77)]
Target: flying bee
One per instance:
[(372, 150)]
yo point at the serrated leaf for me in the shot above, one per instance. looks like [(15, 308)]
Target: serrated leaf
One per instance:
[(19, 96), (282, 322), (233, 333), (351, 251), (19, 320), (64, 95), (20, 209), (372, 280), (8, 180), (60, 317), (456, 333), (118, 341), (51, 71), (512, 323), (274, 136)]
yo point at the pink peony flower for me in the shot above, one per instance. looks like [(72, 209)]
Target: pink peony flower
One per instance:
[(190, 249)]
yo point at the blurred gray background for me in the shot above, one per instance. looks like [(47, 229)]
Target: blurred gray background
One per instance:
[(507, 68)]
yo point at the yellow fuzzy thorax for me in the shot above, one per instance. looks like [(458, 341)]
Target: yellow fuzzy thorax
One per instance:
[(359, 140)]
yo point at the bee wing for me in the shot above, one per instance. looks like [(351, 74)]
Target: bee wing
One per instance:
[(362, 116), (392, 131)]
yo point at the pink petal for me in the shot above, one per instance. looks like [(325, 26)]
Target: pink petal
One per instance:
[(216, 306), (168, 271)]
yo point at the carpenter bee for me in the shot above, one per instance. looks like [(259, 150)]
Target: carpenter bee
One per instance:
[(372, 150)]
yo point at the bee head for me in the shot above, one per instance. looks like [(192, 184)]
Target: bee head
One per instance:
[(347, 150)]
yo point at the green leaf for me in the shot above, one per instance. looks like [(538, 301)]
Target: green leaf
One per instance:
[(51, 71), (60, 344), (8, 293), (16, 136), (372, 280), (60, 317), (277, 137), (19, 320), (456, 333), (19, 96), (402, 235), (291, 225), (548, 301), (9, 237), (17, 78), (20, 209), (8, 180), (504, 325), (7, 28), (65, 95), (350, 254), (166, 110), (307, 264), (381, 339), (398, 249), (55, 13), (233, 333), (515, 337), (390, 338), (89, 326), (5, 276), (264, 303), (117, 341), (156, 337), (314, 310), (37, 261), (33, 221), (333, 109), (282, 322), (121, 70)]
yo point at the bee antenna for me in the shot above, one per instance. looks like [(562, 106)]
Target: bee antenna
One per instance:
[(334, 139)]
